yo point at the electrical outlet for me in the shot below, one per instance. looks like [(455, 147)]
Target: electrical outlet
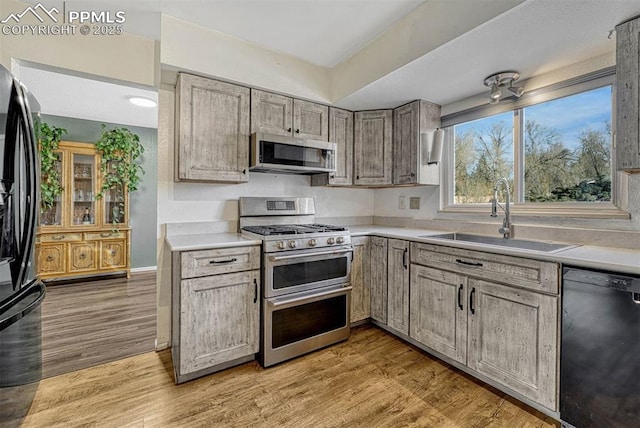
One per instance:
[(402, 203), (414, 203)]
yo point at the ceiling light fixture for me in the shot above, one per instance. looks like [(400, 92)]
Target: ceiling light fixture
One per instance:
[(501, 80), (143, 102)]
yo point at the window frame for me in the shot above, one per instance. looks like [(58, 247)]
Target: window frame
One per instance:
[(612, 209)]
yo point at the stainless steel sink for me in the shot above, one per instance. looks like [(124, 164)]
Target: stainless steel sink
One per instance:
[(523, 244)]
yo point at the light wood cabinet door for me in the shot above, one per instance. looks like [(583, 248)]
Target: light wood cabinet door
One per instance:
[(406, 137), (219, 319), (82, 256), (213, 130), (113, 254), (360, 280), (438, 311), (398, 285), (310, 120), (378, 274), (628, 96), (340, 133), (372, 147), (51, 259), (410, 154), (513, 339), (271, 113)]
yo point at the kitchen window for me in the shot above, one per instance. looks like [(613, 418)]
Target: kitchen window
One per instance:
[(553, 146)]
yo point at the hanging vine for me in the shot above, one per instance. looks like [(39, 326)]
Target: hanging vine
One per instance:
[(120, 150), (50, 180)]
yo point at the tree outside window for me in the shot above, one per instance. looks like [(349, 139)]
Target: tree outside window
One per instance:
[(566, 151)]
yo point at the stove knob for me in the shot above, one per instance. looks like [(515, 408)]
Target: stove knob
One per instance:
[(281, 245), (340, 240), (313, 242), (293, 244), (331, 241)]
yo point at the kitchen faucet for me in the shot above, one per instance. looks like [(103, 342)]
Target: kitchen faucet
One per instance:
[(506, 228)]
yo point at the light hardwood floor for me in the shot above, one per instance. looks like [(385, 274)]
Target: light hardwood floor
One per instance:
[(371, 380), (94, 322)]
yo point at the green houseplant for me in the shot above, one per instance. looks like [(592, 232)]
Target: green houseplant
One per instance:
[(50, 181), (120, 150)]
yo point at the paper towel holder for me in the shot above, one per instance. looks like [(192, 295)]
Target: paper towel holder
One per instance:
[(432, 142)]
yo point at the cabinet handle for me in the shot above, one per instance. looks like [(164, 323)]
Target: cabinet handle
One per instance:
[(244, 172), (404, 257), (288, 129), (462, 262), (217, 262), (255, 290), (357, 177), (113, 253), (49, 258), (57, 237), (297, 131), (471, 306), (83, 256), (460, 297), (412, 174), (106, 235)]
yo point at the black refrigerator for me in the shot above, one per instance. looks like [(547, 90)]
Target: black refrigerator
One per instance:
[(21, 292)]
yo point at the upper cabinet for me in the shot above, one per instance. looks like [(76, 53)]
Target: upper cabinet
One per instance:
[(373, 152), (628, 96), (281, 115), (409, 156), (341, 133), (212, 130)]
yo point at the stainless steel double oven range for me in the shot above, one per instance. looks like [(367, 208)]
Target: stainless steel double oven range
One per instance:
[(306, 273)]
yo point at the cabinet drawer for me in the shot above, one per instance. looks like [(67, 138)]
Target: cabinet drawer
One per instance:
[(532, 274), (60, 237), (224, 260), (107, 234)]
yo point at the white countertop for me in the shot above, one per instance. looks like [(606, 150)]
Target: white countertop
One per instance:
[(605, 258), (209, 241)]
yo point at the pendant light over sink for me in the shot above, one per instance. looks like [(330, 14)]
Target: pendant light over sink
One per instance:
[(504, 79)]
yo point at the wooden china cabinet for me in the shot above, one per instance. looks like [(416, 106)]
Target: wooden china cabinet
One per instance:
[(81, 235)]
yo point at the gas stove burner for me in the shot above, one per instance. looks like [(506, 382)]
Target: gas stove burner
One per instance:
[(293, 229)]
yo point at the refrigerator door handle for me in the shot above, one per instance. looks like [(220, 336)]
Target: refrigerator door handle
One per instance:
[(32, 288), (29, 225)]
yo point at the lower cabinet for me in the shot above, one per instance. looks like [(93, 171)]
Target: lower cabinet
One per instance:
[(360, 279), (506, 334), (438, 311), (216, 310), (378, 278), (398, 285), (65, 255), (513, 337)]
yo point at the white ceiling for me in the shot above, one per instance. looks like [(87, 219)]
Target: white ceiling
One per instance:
[(534, 37), (84, 98)]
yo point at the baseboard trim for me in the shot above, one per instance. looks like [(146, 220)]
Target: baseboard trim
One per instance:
[(144, 269)]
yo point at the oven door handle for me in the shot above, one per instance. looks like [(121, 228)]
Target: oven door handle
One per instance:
[(302, 256), (295, 301)]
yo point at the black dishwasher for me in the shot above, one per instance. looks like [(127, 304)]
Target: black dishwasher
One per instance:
[(600, 349)]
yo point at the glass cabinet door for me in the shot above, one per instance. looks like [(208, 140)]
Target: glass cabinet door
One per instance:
[(82, 190), (115, 204), (53, 216)]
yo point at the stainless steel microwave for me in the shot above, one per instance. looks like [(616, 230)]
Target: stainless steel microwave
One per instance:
[(278, 153)]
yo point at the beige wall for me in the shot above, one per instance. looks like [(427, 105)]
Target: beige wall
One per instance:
[(190, 47)]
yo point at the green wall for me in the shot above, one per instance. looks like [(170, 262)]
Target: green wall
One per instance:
[(143, 211)]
